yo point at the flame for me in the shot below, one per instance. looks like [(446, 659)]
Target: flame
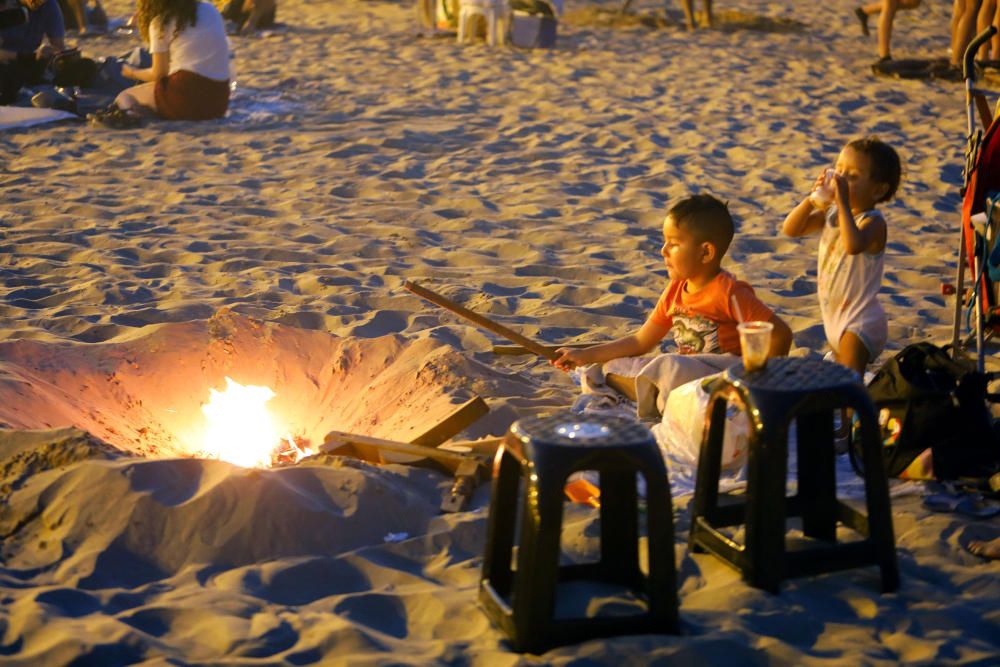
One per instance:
[(240, 428)]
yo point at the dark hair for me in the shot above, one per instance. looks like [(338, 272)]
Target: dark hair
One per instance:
[(884, 162), (184, 12), (707, 219)]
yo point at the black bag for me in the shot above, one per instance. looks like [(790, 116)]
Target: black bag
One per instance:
[(927, 400), (69, 68)]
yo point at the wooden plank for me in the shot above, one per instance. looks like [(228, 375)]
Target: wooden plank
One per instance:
[(466, 414), (451, 460)]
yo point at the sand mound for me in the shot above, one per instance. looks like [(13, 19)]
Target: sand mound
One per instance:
[(144, 394)]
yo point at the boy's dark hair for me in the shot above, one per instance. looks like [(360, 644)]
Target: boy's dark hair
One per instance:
[(707, 219), (884, 161)]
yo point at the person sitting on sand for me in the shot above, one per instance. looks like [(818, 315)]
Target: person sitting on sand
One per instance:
[(886, 9), (250, 15), (701, 305), (189, 78), (688, 7), (851, 247), (22, 57)]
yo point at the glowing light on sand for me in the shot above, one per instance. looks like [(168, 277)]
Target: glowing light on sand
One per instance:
[(240, 429)]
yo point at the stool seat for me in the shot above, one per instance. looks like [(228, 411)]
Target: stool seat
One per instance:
[(808, 391), (537, 457)]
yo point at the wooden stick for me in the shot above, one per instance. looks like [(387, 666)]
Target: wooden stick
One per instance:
[(620, 383), (514, 350), (484, 322), (466, 414)]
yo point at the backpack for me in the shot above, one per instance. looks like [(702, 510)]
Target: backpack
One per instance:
[(927, 400)]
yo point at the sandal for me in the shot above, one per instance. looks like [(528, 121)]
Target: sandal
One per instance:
[(116, 118)]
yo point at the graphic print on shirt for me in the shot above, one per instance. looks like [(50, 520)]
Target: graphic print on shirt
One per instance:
[(695, 334)]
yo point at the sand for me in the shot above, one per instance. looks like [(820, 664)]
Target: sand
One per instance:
[(142, 267)]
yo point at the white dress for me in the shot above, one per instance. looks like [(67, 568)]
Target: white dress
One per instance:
[(848, 288)]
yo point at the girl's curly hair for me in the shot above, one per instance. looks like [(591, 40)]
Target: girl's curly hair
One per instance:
[(183, 12)]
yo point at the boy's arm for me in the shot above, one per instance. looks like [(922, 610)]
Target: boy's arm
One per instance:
[(633, 345)]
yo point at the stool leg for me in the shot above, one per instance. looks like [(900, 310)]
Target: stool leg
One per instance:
[(491, 27), (817, 492), (501, 523), (661, 585), (620, 528), (767, 470), (706, 490), (534, 599), (877, 494)]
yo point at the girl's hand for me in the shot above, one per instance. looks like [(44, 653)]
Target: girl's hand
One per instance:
[(818, 183), (128, 72), (568, 359), (843, 191)]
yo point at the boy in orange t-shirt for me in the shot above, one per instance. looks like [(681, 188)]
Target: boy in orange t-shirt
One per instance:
[(697, 306)]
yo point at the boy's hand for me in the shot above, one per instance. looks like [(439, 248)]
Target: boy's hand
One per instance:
[(568, 359)]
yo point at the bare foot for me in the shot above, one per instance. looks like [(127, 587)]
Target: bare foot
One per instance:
[(989, 549)]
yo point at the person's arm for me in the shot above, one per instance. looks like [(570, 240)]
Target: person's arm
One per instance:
[(857, 238), (160, 68), (781, 338), (805, 218), (633, 345)]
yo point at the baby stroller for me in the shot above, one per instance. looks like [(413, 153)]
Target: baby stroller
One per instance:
[(980, 227), (935, 401)]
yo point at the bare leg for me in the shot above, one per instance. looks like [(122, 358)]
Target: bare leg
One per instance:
[(986, 16), (851, 352), (709, 20), (138, 97), (989, 549), (77, 6), (885, 20), (963, 27), (688, 13)]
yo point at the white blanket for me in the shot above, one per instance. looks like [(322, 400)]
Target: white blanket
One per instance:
[(11, 117)]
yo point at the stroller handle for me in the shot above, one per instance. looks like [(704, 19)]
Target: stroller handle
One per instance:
[(970, 51)]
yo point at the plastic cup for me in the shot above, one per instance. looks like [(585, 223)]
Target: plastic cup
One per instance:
[(823, 195), (755, 341)]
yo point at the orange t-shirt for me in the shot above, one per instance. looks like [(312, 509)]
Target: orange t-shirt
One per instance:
[(705, 321)]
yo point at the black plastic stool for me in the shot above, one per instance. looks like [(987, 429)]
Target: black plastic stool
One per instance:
[(543, 452), (809, 391)]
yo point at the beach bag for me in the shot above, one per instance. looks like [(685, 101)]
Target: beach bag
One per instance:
[(69, 68), (533, 24), (679, 434), (929, 402)]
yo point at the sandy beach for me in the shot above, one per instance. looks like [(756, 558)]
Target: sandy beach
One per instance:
[(140, 268)]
